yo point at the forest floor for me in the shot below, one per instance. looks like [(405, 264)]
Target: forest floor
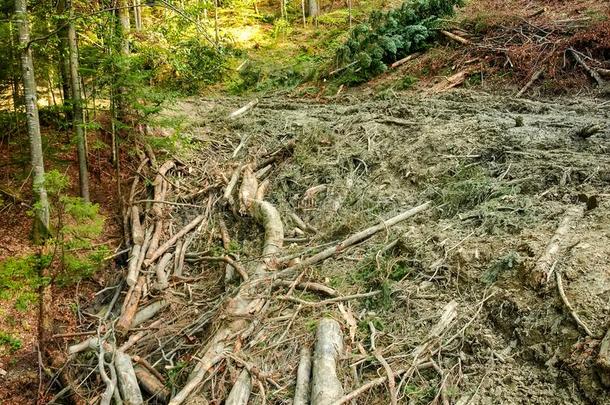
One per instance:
[(502, 174)]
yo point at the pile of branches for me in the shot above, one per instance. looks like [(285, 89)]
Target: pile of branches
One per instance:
[(538, 46), (164, 330)]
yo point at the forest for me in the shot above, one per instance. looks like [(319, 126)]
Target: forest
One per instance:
[(304, 202)]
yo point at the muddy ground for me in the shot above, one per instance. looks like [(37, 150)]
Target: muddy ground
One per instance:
[(501, 172)]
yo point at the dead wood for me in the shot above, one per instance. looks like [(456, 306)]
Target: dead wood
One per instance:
[(592, 72), (421, 354), (151, 384), (309, 286), (543, 270), (450, 82), (404, 60), (325, 385), (161, 250), (239, 309), (131, 306), (262, 190), (455, 37), (531, 81), (241, 111), (353, 239), (148, 312), (128, 383), (567, 304), (247, 191), (301, 390), (133, 339), (240, 393), (161, 271)]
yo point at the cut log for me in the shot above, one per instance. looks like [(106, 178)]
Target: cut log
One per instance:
[(451, 82), (543, 270), (325, 386), (128, 383), (137, 233), (301, 390), (247, 191), (240, 393)]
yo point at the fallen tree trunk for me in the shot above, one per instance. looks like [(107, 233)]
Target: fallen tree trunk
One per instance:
[(241, 111), (131, 306), (325, 386)]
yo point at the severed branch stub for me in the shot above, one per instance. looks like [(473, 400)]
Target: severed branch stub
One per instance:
[(325, 385)]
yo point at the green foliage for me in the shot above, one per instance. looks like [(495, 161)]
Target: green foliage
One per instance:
[(19, 278), (12, 343), (501, 266), (388, 36)]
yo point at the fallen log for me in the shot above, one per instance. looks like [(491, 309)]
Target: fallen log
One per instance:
[(160, 270), (301, 390), (325, 386), (240, 393), (148, 312), (544, 267), (241, 308), (404, 60), (531, 81)]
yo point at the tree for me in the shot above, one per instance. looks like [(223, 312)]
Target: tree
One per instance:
[(41, 211), (77, 107)]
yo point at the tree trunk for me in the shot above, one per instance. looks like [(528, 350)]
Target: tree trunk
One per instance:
[(313, 10), (29, 84), (137, 15), (125, 26), (64, 64), (78, 108)]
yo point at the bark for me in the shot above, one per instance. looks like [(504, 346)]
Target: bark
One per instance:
[(125, 26), (148, 312), (64, 61), (128, 383), (77, 108), (313, 10), (325, 386), (137, 15), (29, 84), (131, 307), (151, 384), (240, 393), (301, 391)]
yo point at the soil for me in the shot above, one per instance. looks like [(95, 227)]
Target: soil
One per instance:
[(500, 171)]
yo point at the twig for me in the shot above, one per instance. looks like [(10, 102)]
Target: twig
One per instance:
[(328, 301), (573, 313)]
